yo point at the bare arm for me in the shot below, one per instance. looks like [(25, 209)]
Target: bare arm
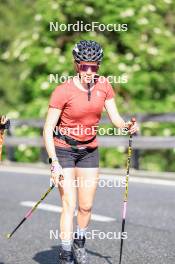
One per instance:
[(113, 113), (116, 119), (50, 123)]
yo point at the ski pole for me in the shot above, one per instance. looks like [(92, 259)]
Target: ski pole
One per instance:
[(28, 214), (133, 120)]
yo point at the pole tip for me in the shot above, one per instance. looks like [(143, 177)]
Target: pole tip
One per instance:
[(8, 236)]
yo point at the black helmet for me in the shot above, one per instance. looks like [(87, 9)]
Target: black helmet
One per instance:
[(87, 50)]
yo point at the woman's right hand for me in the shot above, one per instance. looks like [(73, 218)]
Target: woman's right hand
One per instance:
[(56, 173)]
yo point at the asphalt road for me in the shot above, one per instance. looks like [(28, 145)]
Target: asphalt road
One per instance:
[(150, 223)]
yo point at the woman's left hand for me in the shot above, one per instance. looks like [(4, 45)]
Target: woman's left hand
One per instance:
[(133, 127)]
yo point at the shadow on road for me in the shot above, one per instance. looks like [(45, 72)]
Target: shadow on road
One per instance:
[(51, 256), (100, 256), (48, 256)]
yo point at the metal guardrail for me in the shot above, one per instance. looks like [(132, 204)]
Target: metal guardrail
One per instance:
[(139, 143)]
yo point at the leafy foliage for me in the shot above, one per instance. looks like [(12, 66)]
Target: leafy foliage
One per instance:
[(144, 53)]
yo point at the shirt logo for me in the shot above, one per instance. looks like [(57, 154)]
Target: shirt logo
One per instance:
[(98, 93)]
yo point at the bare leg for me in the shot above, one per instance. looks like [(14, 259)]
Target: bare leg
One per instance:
[(68, 197), (88, 181)]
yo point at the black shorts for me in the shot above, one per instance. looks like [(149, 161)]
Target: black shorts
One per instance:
[(82, 158)]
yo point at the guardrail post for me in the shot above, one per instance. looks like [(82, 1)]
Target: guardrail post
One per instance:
[(10, 150), (135, 159)]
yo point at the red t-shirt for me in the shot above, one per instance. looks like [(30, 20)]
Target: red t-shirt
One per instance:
[(79, 117)]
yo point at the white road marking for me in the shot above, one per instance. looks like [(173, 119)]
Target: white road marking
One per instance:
[(140, 180), (152, 181), (25, 170), (58, 209)]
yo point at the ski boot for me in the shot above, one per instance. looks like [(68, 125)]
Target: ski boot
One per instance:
[(79, 251), (66, 257)]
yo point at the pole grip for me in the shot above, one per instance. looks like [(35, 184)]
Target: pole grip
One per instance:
[(132, 121)]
